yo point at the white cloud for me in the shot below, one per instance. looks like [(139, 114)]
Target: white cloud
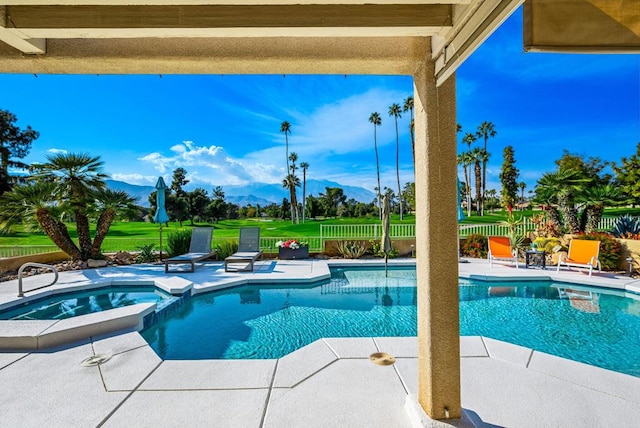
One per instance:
[(57, 151), (213, 166), (139, 179)]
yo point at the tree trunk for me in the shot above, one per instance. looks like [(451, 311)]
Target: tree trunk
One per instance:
[(554, 216), (467, 188), (569, 213), (594, 215), (57, 232), (478, 173), (84, 235), (484, 184), (102, 228)]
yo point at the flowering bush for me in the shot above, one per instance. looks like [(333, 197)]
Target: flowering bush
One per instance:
[(291, 243), (475, 246)]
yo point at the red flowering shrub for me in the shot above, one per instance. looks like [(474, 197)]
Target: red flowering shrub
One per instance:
[(475, 246), (610, 249)]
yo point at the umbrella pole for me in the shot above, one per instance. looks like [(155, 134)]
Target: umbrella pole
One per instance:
[(385, 264), (160, 241)]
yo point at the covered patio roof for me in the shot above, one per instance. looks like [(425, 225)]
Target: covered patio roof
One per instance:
[(243, 36)]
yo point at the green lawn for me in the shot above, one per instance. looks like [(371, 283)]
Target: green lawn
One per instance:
[(269, 227), (223, 229)]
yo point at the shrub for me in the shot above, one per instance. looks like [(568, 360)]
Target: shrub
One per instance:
[(226, 248), (178, 242), (351, 249), (376, 250), (546, 227), (548, 244), (626, 226), (146, 254), (475, 246), (610, 249)]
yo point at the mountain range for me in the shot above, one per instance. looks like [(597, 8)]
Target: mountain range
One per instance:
[(254, 193)]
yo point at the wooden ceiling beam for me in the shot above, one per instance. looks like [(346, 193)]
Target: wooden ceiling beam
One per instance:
[(227, 16)]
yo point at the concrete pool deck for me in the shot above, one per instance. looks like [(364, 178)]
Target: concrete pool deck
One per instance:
[(330, 382)]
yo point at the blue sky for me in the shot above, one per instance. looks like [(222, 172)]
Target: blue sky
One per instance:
[(225, 129)]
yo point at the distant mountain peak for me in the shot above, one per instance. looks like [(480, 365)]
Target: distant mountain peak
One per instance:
[(252, 193)]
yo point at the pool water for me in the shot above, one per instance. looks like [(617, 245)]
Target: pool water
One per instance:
[(270, 321), (72, 304)]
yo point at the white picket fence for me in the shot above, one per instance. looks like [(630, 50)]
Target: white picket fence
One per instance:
[(316, 243)]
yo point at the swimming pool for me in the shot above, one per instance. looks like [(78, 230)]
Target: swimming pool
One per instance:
[(67, 305), (270, 321)]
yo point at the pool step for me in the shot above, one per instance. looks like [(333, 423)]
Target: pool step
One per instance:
[(31, 335)]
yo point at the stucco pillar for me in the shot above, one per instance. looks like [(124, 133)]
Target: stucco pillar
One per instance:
[(436, 245)]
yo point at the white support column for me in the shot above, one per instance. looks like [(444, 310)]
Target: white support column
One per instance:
[(436, 244)]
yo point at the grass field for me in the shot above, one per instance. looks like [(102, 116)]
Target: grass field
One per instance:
[(269, 227), (223, 229)]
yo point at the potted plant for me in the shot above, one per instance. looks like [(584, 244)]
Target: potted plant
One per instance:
[(292, 249)]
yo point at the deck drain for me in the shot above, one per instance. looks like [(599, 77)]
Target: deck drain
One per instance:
[(95, 360), (382, 359)]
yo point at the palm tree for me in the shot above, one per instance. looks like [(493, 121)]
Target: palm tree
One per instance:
[(491, 194), (395, 112), (595, 200), (376, 120), (468, 139), (565, 185), (78, 177), (522, 186), (109, 203), (293, 183), (408, 107), (35, 204), (285, 128), (462, 160), (304, 166), (485, 130), (477, 155)]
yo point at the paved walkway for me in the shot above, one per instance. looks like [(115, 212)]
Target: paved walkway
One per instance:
[(328, 383)]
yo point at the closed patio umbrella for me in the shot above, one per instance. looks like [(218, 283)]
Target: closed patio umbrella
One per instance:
[(386, 226), (161, 215)]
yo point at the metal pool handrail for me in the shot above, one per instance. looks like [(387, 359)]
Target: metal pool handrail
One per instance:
[(33, 264)]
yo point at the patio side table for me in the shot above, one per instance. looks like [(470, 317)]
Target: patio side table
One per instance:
[(535, 258)]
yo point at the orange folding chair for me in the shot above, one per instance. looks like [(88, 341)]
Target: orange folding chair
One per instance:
[(500, 249), (582, 254)]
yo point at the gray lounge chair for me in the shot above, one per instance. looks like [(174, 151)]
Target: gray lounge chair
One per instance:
[(248, 251), (199, 249)]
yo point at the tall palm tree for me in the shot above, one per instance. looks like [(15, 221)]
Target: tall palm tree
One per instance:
[(467, 160), (293, 183), (78, 176), (376, 120), (285, 128), (408, 107), (462, 160), (522, 185), (304, 166), (396, 112), (491, 194), (478, 155), (485, 130)]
